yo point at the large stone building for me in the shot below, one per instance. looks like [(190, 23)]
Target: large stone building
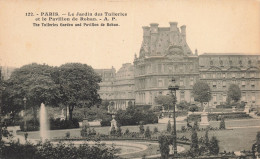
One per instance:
[(117, 87), (164, 55)]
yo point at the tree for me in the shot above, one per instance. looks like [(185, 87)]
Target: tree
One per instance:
[(201, 92), (34, 82), (183, 105), (169, 127), (78, 84), (166, 101), (164, 146), (213, 146), (234, 93), (194, 147), (204, 148)]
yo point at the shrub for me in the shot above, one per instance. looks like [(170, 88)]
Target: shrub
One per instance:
[(32, 125), (47, 150), (119, 131), (134, 115), (106, 121), (222, 124), (155, 130), (194, 147), (67, 134), (141, 128), (56, 124), (183, 128), (113, 130), (127, 131), (193, 108), (86, 131), (164, 146), (147, 133), (196, 125), (213, 146)]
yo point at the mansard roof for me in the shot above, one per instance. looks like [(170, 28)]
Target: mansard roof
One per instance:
[(228, 54)]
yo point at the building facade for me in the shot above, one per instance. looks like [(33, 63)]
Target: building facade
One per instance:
[(118, 87), (221, 70), (165, 54)]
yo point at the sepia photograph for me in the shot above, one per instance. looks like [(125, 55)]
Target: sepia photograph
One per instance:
[(129, 79)]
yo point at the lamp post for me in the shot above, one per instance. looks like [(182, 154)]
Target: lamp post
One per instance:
[(25, 125), (173, 88)]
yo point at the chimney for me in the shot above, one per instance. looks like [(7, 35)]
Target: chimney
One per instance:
[(183, 32), (146, 31), (173, 26), (154, 27)]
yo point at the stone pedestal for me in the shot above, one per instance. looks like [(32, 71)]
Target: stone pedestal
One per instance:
[(113, 123), (204, 119)]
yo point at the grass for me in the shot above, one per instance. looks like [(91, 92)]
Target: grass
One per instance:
[(241, 136)]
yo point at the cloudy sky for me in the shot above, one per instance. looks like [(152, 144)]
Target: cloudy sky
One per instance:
[(215, 26)]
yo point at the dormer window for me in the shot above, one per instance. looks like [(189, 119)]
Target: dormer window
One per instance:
[(221, 63), (240, 62), (230, 62), (211, 62), (249, 62)]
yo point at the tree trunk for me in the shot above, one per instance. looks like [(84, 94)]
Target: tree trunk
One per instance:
[(70, 112)]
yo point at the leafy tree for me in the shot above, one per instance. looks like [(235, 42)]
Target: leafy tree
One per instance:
[(234, 93), (134, 115), (169, 127), (183, 105), (164, 146), (166, 101), (78, 84), (147, 132), (34, 82), (141, 128), (201, 92), (213, 146), (193, 108), (1, 90), (222, 124), (194, 147)]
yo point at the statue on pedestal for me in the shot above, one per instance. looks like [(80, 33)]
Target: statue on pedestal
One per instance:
[(113, 123)]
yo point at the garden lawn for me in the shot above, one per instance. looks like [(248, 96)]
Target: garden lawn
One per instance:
[(240, 135)]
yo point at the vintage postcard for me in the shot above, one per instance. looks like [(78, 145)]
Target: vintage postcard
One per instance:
[(130, 79)]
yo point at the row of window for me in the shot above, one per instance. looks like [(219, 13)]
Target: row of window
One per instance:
[(240, 62), (163, 68), (230, 75)]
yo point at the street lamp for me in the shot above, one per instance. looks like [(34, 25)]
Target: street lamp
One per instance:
[(25, 126), (173, 88)]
